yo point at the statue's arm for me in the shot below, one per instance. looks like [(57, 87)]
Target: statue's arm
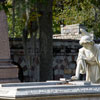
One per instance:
[(81, 55)]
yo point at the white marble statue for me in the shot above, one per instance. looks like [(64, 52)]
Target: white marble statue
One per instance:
[(88, 60)]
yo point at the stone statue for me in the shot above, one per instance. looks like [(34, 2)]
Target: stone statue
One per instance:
[(88, 60)]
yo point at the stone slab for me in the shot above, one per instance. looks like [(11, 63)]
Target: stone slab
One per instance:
[(80, 83), (60, 92), (30, 84)]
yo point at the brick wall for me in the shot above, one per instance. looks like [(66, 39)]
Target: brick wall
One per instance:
[(65, 55), (64, 59)]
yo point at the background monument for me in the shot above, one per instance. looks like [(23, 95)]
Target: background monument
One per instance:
[(8, 71)]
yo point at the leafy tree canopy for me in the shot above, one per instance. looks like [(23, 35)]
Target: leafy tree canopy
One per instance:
[(86, 12)]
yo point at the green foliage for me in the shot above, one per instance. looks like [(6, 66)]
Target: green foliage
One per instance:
[(18, 26), (86, 12), (77, 11), (5, 6), (20, 16)]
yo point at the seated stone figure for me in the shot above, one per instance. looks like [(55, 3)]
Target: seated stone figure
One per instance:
[(88, 60)]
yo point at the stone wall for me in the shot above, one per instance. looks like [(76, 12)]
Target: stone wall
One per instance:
[(65, 55), (64, 62)]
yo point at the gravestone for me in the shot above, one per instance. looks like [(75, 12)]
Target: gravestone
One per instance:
[(8, 71)]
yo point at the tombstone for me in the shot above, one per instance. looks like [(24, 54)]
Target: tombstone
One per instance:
[(8, 71)]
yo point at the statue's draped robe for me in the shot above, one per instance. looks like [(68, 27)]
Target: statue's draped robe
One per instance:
[(90, 63)]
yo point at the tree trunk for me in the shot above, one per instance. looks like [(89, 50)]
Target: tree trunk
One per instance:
[(25, 42), (45, 30)]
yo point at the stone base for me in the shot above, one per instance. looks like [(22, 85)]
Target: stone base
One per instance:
[(49, 91), (8, 72)]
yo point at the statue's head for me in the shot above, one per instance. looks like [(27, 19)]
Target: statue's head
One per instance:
[(86, 40)]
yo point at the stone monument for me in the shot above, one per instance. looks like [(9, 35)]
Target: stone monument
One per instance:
[(88, 60), (8, 71)]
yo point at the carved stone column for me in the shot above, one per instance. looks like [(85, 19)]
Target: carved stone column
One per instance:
[(8, 71)]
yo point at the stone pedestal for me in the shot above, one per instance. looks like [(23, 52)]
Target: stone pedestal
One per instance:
[(8, 71)]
